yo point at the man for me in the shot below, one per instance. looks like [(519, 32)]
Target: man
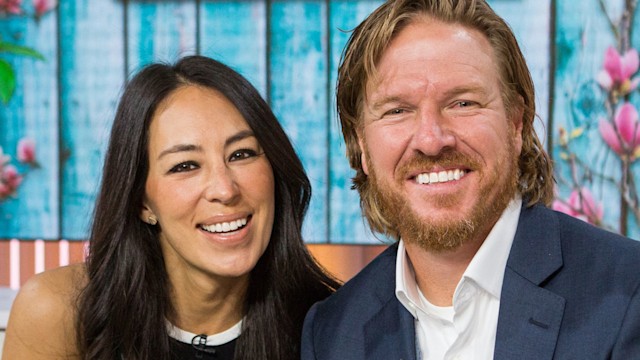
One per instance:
[(437, 108)]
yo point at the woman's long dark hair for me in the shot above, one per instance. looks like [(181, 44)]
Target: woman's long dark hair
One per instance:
[(122, 309)]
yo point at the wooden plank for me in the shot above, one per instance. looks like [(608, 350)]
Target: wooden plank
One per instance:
[(160, 31), (241, 43), (91, 74), (347, 224), (4, 263), (52, 255), (27, 263), (26, 256), (582, 36), (77, 252), (32, 113), (299, 83)]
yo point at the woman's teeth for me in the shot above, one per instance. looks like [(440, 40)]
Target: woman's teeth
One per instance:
[(225, 226)]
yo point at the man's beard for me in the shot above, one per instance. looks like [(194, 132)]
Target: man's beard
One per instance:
[(446, 235)]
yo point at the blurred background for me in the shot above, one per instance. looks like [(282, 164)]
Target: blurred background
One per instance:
[(63, 64)]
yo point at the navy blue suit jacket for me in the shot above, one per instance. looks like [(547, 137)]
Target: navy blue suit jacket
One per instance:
[(570, 291)]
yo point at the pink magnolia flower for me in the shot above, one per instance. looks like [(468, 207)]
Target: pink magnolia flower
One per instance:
[(10, 176), (9, 181), (4, 191), (617, 72), (43, 6), (623, 135), (581, 205), (10, 6), (27, 151)]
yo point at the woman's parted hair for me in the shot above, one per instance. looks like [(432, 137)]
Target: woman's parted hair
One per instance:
[(122, 310), (372, 37)]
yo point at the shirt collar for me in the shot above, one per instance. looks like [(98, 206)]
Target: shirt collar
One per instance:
[(486, 268), (406, 286)]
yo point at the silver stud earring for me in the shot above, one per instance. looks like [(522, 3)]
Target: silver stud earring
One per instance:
[(151, 220)]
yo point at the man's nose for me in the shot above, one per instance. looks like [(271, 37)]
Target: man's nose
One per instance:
[(432, 133)]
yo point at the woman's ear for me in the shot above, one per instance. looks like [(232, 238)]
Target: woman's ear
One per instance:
[(147, 215)]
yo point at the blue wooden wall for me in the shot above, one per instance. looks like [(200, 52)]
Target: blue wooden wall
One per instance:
[(585, 164), (288, 49)]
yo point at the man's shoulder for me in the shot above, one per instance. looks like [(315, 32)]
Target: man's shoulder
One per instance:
[(545, 219), (589, 275), (584, 244), (579, 231), (375, 283)]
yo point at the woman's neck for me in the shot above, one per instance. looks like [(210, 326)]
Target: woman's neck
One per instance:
[(206, 305)]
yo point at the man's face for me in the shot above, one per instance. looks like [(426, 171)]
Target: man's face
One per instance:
[(440, 149)]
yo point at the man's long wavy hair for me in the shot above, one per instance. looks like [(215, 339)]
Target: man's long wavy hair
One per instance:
[(372, 37), (123, 308)]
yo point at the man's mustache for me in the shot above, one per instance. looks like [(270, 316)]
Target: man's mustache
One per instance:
[(446, 159)]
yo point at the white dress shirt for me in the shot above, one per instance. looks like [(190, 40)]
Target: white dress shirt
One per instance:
[(466, 330)]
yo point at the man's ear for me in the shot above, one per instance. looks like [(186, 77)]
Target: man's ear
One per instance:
[(363, 155), (517, 118)]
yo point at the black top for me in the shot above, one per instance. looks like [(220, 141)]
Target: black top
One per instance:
[(197, 350)]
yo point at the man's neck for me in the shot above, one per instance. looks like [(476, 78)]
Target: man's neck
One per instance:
[(439, 272)]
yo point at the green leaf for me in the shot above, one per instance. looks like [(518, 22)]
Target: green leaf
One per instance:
[(7, 81), (20, 50)]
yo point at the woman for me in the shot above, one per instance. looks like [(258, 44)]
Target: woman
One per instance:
[(196, 247)]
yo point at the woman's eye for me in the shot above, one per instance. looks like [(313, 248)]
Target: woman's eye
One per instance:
[(185, 166), (242, 154)]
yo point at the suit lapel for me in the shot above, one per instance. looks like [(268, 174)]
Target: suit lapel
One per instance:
[(530, 316), (390, 333)]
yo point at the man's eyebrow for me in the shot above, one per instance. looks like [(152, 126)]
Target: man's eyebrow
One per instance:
[(477, 89), (377, 104), (471, 88)]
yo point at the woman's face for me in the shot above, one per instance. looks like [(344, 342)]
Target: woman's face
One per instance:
[(210, 186)]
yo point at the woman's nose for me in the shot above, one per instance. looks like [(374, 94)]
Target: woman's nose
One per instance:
[(221, 186)]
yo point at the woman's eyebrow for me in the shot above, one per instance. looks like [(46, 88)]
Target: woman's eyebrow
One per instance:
[(179, 148), (191, 147), (238, 137)]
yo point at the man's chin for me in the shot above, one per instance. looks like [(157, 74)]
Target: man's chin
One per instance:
[(442, 217), (437, 235)]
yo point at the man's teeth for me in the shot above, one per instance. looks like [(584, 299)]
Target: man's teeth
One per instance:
[(439, 177), (225, 226)]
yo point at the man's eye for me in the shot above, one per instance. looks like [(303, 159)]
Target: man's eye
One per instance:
[(185, 166), (242, 154), (464, 103), (394, 112)]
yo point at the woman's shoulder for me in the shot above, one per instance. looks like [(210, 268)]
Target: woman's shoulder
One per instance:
[(42, 317), (55, 289)]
